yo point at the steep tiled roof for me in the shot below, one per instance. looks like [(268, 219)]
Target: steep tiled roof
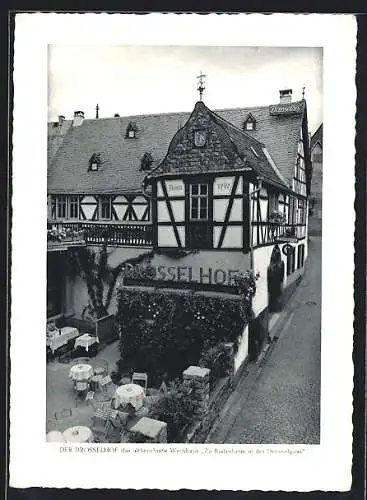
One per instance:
[(120, 169), (317, 137), (248, 146), (279, 133)]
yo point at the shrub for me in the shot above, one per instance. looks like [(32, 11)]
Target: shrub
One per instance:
[(166, 331), (217, 359), (177, 408)]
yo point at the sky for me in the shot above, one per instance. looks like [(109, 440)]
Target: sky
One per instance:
[(136, 79)]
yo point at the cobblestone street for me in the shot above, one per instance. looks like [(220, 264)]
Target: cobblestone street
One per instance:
[(279, 402)]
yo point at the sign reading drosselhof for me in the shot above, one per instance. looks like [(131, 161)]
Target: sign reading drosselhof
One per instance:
[(184, 274)]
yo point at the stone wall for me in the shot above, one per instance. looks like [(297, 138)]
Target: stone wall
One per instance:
[(217, 399), (210, 403)]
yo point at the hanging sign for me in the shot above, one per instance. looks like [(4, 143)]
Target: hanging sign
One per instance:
[(287, 249)]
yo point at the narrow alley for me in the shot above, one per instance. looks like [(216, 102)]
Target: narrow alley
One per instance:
[(281, 403)]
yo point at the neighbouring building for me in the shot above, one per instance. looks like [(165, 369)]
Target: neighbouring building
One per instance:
[(315, 227), (198, 196)]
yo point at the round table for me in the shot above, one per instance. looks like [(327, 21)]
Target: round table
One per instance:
[(55, 437), (78, 434), (81, 372), (129, 393)]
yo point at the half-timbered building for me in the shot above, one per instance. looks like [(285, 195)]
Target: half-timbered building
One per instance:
[(199, 196)]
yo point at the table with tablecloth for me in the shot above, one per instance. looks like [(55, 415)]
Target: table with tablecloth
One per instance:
[(78, 434), (85, 341), (55, 437), (61, 337), (129, 393), (81, 372)]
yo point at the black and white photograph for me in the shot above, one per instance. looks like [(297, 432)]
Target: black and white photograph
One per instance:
[(188, 273), (184, 248)]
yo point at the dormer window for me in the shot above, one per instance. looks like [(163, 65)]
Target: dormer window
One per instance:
[(131, 131), (146, 161), (250, 123), (94, 162)]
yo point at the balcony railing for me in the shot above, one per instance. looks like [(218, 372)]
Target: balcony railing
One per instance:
[(91, 233), (271, 232)]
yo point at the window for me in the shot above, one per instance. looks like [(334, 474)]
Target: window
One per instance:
[(302, 211), (291, 262), (53, 207), (61, 207), (74, 207), (273, 203), (95, 162), (300, 256), (131, 130), (146, 162), (250, 123), (105, 207), (199, 201)]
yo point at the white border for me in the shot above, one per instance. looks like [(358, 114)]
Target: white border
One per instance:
[(35, 463)]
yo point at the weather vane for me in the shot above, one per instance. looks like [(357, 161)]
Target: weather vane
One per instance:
[(201, 87), (303, 91)]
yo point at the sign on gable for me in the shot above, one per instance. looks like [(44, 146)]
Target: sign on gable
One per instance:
[(285, 109)]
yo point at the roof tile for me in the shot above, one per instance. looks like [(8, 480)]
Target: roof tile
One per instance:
[(69, 153)]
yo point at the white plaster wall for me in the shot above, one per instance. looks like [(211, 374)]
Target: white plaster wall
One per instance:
[(242, 352), (163, 214), (76, 295), (220, 209), (178, 210), (236, 212), (233, 237), (166, 236), (223, 186)]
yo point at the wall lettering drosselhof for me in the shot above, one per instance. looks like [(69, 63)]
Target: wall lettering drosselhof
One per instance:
[(184, 274)]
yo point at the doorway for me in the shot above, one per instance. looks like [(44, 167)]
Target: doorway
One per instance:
[(275, 280)]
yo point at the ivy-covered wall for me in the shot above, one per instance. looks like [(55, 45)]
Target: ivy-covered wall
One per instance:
[(164, 331)]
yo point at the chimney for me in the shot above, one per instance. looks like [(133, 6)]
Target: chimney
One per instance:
[(78, 118), (61, 119), (285, 96)]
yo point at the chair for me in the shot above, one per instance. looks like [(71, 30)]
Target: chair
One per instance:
[(140, 379), (81, 387), (65, 412), (100, 367), (104, 382), (89, 396), (81, 361)]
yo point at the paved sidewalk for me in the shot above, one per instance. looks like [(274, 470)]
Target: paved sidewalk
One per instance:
[(279, 402)]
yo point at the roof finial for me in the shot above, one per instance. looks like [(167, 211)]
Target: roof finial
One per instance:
[(303, 91), (201, 87), (97, 109)]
